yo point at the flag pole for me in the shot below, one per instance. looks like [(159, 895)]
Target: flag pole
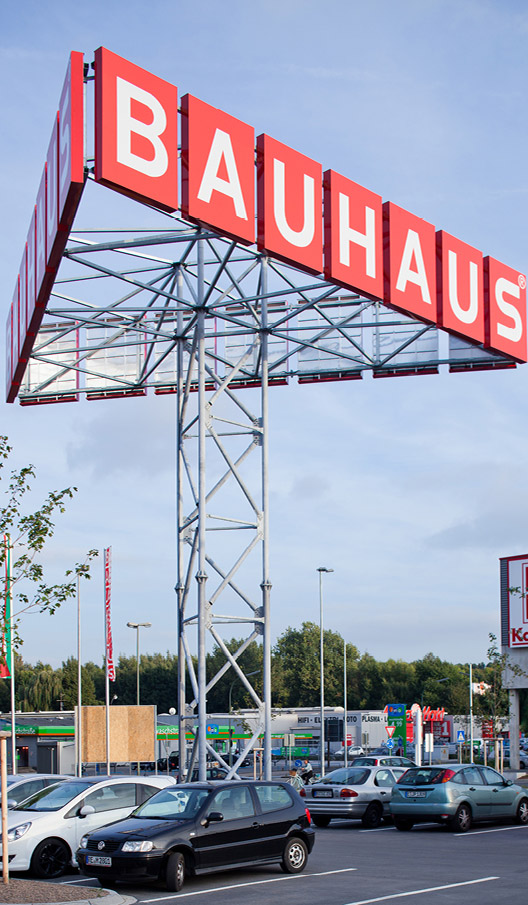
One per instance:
[(109, 661)]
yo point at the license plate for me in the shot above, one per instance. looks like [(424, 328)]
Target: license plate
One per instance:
[(99, 860), (415, 794), (322, 793)]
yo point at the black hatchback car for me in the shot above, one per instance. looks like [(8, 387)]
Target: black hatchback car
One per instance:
[(202, 827)]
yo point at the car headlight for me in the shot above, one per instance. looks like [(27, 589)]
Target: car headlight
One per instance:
[(140, 846), (17, 831), (84, 842)]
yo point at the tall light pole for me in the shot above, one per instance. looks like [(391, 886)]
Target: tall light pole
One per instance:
[(471, 754), (322, 569), (137, 626)]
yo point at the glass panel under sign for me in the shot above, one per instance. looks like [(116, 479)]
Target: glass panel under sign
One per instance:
[(240, 338), (113, 360), (401, 343), (49, 370), (468, 356), (331, 340)]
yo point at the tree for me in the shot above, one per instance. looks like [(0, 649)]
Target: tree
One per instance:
[(494, 704), (296, 667), (26, 535)]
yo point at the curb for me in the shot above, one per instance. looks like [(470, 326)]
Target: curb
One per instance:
[(112, 898)]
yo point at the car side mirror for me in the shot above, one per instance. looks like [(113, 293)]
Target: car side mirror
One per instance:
[(11, 802), (86, 810), (508, 782), (213, 817)]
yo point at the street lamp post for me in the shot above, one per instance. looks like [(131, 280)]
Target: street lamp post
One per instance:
[(137, 626), (322, 569), (471, 755)]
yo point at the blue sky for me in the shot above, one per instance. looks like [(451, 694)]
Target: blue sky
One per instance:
[(410, 489)]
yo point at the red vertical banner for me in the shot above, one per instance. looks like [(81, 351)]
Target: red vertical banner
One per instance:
[(6, 642), (109, 653)]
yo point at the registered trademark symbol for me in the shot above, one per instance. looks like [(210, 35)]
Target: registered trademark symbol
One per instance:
[(522, 281)]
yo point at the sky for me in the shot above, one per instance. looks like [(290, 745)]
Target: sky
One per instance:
[(410, 489)]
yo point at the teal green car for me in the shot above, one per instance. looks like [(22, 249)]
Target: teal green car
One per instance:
[(456, 795)]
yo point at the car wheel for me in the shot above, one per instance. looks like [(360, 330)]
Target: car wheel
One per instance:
[(175, 872), (321, 820), (372, 817), (403, 823), (462, 820), (522, 811), (294, 856), (50, 859)]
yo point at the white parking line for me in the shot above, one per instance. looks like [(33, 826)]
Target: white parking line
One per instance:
[(71, 882), (203, 892), (497, 829), (419, 892)]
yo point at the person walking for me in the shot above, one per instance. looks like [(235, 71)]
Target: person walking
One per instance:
[(295, 780)]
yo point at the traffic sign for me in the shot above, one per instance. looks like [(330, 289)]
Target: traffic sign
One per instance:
[(389, 743), (461, 735), (396, 710), (297, 763), (390, 730)]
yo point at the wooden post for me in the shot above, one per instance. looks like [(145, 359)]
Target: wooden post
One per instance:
[(3, 787)]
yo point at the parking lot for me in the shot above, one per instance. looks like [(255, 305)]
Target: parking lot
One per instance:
[(354, 866)]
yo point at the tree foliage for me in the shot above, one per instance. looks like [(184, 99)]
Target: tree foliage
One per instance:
[(295, 668), (28, 532)]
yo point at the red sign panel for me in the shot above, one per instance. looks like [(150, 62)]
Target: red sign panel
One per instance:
[(289, 205), (136, 131), (378, 250), (410, 263), (218, 170), (460, 288), (71, 141), (53, 242), (58, 196), (353, 236), (505, 306)]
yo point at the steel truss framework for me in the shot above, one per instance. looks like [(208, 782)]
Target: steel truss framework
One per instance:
[(176, 308)]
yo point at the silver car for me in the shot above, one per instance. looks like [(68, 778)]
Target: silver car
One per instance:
[(22, 785), (456, 795), (359, 793)]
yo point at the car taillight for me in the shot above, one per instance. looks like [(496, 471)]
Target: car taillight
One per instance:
[(308, 815), (348, 793), (447, 775), (302, 793)]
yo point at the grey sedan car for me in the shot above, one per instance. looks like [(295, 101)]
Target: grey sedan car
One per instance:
[(456, 795), (359, 793)]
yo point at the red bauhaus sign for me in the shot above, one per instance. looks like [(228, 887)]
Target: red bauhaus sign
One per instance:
[(318, 222)]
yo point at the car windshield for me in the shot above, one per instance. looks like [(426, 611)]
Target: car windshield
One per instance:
[(53, 797), (173, 804), (424, 776), (346, 777)]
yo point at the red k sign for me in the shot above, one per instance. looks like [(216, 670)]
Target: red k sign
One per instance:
[(136, 131)]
